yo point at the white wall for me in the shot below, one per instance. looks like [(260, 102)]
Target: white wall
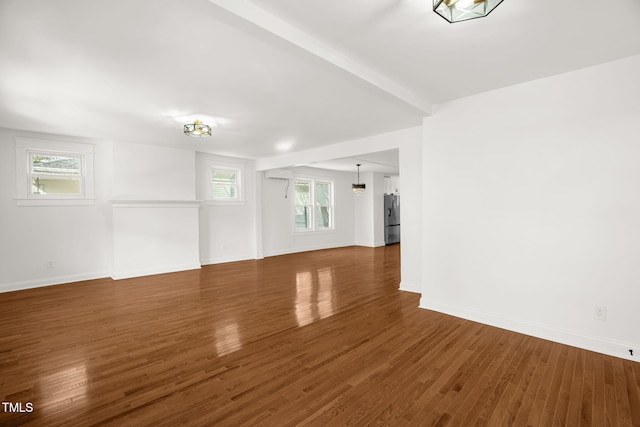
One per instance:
[(363, 212), (378, 209), (532, 208), (155, 215), (76, 239), (369, 210), (149, 172), (154, 238), (277, 215), (228, 232), (411, 220)]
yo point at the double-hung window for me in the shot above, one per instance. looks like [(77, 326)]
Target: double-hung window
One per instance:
[(324, 205), (313, 205)]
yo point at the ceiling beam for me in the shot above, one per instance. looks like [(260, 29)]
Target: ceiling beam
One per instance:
[(282, 29), (352, 148)]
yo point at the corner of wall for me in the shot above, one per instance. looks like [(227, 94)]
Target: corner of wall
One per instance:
[(546, 332), (408, 286)]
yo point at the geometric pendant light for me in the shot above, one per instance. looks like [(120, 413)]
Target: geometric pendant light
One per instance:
[(198, 129), (463, 10)]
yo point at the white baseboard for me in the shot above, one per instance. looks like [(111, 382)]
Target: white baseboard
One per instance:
[(277, 252), (223, 259), (50, 281), (598, 344), (156, 270), (369, 244), (414, 287)]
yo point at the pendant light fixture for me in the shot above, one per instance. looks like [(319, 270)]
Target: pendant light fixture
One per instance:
[(463, 10), (197, 129), (358, 188)]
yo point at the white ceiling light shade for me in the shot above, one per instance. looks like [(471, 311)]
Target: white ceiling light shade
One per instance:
[(358, 188), (463, 10), (197, 129)]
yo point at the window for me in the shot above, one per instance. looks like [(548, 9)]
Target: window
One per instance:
[(313, 205), (225, 184), (324, 205), (51, 172), (303, 207), (221, 180)]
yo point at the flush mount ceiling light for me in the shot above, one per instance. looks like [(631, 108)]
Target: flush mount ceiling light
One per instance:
[(463, 10), (198, 129), (358, 188)]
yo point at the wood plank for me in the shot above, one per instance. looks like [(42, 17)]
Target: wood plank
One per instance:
[(564, 398), (574, 394), (622, 397), (554, 388), (633, 393), (599, 385), (611, 406)]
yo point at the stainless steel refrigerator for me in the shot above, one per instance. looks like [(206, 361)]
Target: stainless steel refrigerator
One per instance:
[(391, 218)]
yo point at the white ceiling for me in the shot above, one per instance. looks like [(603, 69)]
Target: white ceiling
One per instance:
[(303, 73), (519, 41), (387, 162)]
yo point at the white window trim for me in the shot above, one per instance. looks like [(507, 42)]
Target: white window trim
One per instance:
[(212, 163), (26, 146), (314, 230)]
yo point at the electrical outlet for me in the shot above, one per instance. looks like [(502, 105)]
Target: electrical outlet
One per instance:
[(600, 313), (49, 265)]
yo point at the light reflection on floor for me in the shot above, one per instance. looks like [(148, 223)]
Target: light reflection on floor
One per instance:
[(227, 337), (62, 387), (314, 295)]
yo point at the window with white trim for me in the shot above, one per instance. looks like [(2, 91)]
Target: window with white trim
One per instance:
[(221, 180), (51, 172), (313, 205), (225, 184)]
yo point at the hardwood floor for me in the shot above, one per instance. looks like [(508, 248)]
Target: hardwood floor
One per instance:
[(316, 338)]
